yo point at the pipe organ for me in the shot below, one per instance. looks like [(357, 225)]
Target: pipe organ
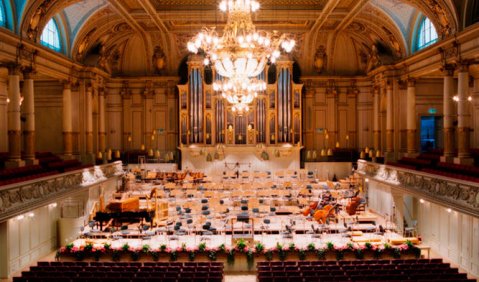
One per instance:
[(207, 119)]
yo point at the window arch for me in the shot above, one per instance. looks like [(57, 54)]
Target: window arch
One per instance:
[(426, 35), (51, 36), (3, 18)]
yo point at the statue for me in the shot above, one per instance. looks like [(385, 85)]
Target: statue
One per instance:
[(103, 60), (373, 59), (441, 16), (395, 45), (35, 20), (320, 59), (159, 59)]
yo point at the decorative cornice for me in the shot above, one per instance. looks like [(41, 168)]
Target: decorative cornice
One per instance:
[(459, 195), (21, 197)]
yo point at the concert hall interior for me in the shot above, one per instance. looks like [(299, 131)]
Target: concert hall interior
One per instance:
[(239, 140)]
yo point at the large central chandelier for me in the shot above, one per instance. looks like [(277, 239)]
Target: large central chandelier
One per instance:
[(240, 55)]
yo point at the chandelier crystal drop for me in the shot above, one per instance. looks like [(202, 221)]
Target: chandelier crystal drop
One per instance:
[(241, 53)]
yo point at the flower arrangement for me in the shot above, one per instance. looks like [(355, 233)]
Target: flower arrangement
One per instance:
[(259, 251)]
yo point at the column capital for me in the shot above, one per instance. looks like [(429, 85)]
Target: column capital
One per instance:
[(28, 72), (463, 67), (13, 68), (389, 85), (67, 84), (411, 82), (101, 91)]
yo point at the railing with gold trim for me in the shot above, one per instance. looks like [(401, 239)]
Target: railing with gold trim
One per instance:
[(19, 197), (458, 194)]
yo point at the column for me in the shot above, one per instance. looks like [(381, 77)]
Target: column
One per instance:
[(89, 122), (463, 118), (29, 112), (376, 129), (3, 115), (67, 121), (448, 116), (101, 126), (411, 118), (14, 126), (389, 118)]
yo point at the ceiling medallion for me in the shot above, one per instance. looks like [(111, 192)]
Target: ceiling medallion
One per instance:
[(240, 54)]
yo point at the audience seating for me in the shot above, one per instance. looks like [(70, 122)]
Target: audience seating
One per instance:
[(49, 164), (430, 163), (123, 271), (420, 270)]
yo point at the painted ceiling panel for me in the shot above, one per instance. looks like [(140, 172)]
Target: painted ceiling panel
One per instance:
[(78, 13), (400, 12)]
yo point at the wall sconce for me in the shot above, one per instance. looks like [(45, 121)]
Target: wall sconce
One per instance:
[(362, 155), (117, 154), (129, 138), (272, 137), (99, 155)]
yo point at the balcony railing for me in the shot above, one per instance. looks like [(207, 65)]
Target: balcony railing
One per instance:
[(457, 194), (19, 197)]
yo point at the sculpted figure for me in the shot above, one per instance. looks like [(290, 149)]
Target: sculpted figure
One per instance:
[(158, 59), (320, 59), (373, 59), (34, 21)]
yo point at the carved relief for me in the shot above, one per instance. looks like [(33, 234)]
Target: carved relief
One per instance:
[(449, 191), (35, 20), (320, 59), (159, 59), (23, 196), (373, 59), (82, 47), (441, 15)]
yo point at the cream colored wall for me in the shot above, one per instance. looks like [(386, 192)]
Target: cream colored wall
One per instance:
[(48, 116), (30, 238), (347, 111), (26, 240), (452, 235), (140, 109)]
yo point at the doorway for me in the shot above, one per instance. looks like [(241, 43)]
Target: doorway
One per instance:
[(431, 136)]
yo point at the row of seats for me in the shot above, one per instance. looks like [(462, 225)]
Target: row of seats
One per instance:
[(27, 178), (17, 172), (123, 271), (367, 270), (49, 164), (430, 163)]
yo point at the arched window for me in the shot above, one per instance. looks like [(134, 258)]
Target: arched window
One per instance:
[(427, 34), (2, 14), (51, 36)]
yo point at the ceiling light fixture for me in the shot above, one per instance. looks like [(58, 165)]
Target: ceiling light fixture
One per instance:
[(241, 54)]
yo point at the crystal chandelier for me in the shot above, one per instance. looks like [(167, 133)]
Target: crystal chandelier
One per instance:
[(241, 53)]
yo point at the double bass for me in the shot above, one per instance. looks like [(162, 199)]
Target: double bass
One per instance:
[(353, 205), (320, 215)]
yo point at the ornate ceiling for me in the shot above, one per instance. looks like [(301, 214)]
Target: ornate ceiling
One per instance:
[(145, 37)]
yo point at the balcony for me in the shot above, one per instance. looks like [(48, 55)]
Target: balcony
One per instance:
[(462, 195)]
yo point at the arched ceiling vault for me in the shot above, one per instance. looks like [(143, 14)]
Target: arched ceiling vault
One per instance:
[(101, 31)]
